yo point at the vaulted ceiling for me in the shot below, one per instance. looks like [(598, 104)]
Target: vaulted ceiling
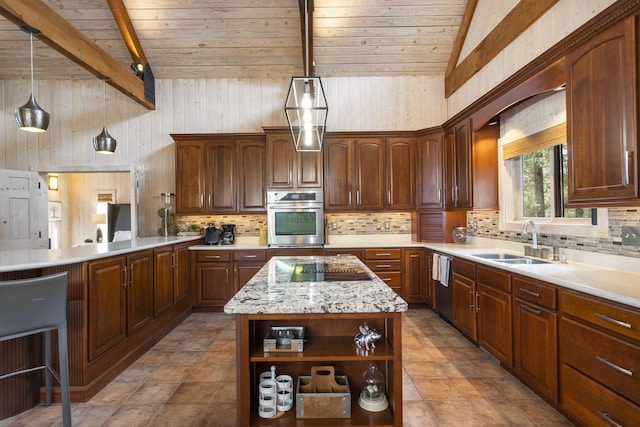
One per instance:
[(251, 38)]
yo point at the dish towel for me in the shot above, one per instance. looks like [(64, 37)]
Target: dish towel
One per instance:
[(445, 270), (435, 267)]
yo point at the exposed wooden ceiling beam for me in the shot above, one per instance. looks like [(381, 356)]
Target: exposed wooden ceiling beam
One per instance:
[(63, 37), (121, 16), (521, 17)]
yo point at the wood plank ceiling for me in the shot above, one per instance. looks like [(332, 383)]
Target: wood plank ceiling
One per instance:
[(252, 38)]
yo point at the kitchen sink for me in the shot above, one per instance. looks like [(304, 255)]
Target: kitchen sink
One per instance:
[(510, 259), (497, 257)]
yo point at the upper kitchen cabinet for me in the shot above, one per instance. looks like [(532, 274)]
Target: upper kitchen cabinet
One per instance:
[(429, 182), (220, 173), (458, 165), (369, 173), (484, 155), (602, 105), (400, 173), (288, 169)]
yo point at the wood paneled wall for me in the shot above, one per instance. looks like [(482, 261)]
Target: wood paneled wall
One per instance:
[(192, 106)]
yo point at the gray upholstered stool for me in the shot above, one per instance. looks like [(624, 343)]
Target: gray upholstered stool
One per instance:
[(31, 306)]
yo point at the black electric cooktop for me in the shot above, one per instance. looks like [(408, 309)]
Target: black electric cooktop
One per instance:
[(324, 272)]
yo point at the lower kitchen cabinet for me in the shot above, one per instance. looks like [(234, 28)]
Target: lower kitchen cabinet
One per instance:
[(359, 253), (464, 297), (417, 277), (493, 308), (219, 274), (171, 276), (535, 335), (599, 346), (386, 263), (139, 282)]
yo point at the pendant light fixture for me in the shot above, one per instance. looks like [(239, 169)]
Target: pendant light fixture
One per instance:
[(31, 117), (306, 106), (104, 143)]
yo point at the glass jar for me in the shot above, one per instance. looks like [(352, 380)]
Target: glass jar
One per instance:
[(460, 235)]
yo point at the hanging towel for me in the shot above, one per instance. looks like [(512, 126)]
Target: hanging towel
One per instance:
[(445, 270), (435, 267)]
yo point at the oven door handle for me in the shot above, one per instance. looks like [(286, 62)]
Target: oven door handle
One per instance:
[(288, 207)]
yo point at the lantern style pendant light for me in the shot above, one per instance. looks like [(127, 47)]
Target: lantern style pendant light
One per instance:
[(31, 117), (104, 143), (306, 106)]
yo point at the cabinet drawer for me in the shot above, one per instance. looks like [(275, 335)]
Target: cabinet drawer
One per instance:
[(609, 360), (624, 321), (535, 292), (384, 265), (372, 254), (259, 255), (494, 278), (391, 278), (212, 256), (593, 404), (464, 268)]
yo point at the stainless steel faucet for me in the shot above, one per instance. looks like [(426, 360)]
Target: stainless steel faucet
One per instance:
[(534, 232)]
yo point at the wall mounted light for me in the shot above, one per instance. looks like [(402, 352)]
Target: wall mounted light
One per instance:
[(104, 143), (306, 106), (52, 182), (31, 117)]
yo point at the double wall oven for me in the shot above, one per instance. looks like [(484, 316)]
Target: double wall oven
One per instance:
[(295, 218)]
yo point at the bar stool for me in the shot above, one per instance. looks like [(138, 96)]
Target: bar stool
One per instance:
[(31, 306)]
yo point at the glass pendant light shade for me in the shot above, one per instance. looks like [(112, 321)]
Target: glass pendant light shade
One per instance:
[(104, 143), (306, 110), (31, 117)]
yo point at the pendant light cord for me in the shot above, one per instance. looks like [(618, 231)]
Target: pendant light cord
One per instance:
[(31, 41), (104, 102)]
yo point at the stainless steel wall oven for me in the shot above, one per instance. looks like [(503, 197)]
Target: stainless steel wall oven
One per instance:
[(295, 218)]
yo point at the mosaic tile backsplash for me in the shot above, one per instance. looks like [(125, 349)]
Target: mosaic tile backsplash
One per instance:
[(487, 223)]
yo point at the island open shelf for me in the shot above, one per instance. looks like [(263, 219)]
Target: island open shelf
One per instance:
[(328, 341)]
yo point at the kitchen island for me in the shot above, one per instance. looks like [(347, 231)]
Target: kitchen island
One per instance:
[(330, 297)]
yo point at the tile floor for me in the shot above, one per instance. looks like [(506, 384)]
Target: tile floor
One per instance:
[(188, 379)]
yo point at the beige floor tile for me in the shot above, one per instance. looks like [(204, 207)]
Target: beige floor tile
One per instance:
[(136, 374), (114, 394), (458, 413), (543, 414), (153, 358), (169, 374), (438, 389), (477, 388), (89, 416), (205, 373), (409, 391), (152, 393), (502, 412), (39, 416), (132, 416), (416, 413), (424, 370), (184, 358), (193, 393)]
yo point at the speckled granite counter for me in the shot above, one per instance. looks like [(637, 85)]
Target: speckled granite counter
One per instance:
[(273, 290)]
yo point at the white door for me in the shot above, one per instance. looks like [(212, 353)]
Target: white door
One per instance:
[(23, 210)]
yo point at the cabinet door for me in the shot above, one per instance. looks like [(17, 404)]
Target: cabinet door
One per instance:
[(429, 176), (416, 275), (190, 177), (464, 303), (140, 290), (280, 155), (243, 272), (450, 169), (221, 177), (368, 168), (163, 280), (400, 173), (107, 308), (602, 117), (309, 167), (213, 284), (181, 285), (338, 156), (251, 176), (494, 322), (535, 347), (463, 140)]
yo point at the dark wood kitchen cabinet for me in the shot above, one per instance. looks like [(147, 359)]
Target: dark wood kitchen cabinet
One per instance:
[(493, 309), (602, 118), (599, 347), (430, 177), (120, 299), (458, 165), (400, 165), (220, 173), (171, 276), (535, 335), (245, 265), (418, 289), (386, 263), (288, 169), (354, 174)]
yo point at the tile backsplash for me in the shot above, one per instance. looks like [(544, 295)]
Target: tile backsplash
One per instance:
[(487, 226)]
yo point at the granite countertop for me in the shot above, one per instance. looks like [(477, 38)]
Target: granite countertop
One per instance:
[(28, 259), (274, 290)]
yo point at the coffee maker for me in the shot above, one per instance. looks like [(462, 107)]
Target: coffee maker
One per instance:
[(211, 235), (228, 234)]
